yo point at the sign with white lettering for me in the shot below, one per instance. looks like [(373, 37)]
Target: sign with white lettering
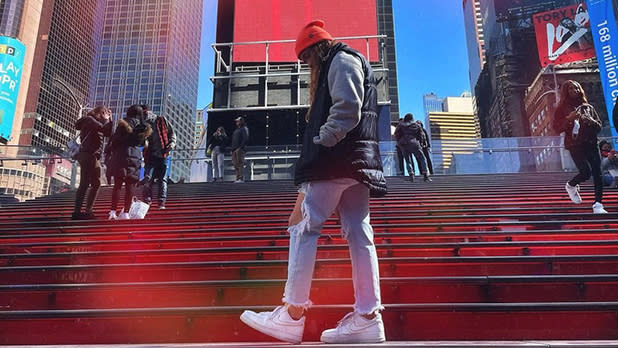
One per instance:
[(605, 33), (12, 54), (563, 35)]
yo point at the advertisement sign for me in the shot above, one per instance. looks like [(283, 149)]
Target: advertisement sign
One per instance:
[(605, 33), (268, 20), (12, 54), (563, 35)]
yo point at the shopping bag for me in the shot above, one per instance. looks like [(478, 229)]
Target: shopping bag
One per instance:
[(73, 147), (138, 209)]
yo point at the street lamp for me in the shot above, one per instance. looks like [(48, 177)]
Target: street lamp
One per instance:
[(72, 94)]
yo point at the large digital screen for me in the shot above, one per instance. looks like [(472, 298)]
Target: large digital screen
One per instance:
[(12, 53), (267, 20)]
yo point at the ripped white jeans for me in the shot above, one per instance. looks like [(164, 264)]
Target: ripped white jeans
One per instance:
[(351, 199)]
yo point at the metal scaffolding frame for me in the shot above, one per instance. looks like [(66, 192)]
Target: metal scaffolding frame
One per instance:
[(225, 70)]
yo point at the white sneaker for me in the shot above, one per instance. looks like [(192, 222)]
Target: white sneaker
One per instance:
[(597, 208), (239, 180), (277, 324), (573, 192), (124, 216), (354, 328), (112, 215)]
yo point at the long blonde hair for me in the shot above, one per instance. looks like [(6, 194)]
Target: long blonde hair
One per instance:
[(320, 50)]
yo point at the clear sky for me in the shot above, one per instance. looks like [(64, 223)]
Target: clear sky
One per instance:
[(431, 52)]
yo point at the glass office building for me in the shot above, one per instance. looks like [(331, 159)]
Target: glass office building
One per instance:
[(68, 62), (149, 54)]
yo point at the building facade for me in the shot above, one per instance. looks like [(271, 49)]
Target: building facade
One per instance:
[(512, 64), (475, 38), (149, 54), (454, 130), (21, 178), (67, 50)]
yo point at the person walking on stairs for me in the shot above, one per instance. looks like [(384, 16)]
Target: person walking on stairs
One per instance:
[(339, 168), (580, 123)]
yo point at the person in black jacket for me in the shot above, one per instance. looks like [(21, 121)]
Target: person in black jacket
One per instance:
[(93, 127), (156, 153), (581, 124), (126, 157), (426, 147), (409, 136), (240, 138), (216, 146), (339, 169)]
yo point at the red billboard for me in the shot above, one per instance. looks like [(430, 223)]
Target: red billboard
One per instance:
[(563, 35), (267, 20)]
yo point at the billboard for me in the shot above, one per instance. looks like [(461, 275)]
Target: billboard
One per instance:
[(267, 20), (12, 53), (605, 33), (563, 35)]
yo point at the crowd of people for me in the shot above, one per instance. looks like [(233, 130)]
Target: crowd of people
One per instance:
[(140, 136)]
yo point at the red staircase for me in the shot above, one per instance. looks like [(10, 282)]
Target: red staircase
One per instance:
[(487, 257)]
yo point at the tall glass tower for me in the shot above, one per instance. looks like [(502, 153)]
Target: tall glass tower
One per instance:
[(10, 17), (67, 49), (149, 54)]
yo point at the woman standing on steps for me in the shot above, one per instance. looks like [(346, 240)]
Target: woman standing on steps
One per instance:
[(339, 169), (580, 123)]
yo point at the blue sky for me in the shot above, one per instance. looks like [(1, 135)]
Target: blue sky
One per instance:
[(431, 52)]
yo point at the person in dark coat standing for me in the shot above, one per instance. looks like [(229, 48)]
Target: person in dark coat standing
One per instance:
[(409, 136), (426, 147), (240, 138), (156, 153), (93, 128), (126, 158), (339, 169), (580, 123), (216, 145)]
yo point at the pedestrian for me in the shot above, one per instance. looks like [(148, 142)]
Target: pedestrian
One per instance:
[(398, 154), (609, 164), (580, 123), (240, 138), (409, 137), (156, 152), (126, 158), (93, 128), (339, 168), (216, 147), (426, 147)]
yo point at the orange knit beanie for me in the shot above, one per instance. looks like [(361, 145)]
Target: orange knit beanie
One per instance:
[(311, 34)]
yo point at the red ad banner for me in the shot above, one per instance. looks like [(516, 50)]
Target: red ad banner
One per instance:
[(267, 20), (563, 35)]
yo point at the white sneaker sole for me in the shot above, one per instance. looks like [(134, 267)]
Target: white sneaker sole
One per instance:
[(247, 318), (353, 339), (575, 199)]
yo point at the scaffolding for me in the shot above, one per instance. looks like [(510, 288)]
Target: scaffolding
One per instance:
[(267, 86)]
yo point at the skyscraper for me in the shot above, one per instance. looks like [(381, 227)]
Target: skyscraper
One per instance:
[(453, 130), (475, 39), (62, 71), (10, 17), (149, 54), (431, 103)]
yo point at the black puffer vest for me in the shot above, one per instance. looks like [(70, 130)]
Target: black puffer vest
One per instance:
[(357, 156)]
